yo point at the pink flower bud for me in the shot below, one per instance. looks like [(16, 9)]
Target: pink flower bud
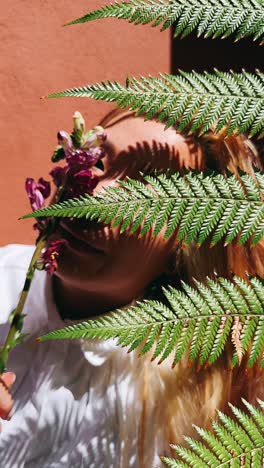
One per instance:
[(95, 137), (37, 192), (78, 121), (64, 139)]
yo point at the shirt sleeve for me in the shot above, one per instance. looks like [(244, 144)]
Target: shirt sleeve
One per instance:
[(14, 261)]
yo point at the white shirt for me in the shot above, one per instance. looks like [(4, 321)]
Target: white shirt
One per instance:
[(75, 406)]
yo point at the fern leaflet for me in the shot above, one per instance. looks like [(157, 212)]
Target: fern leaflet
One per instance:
[(198, 321), (210, 18), (238, 441), (195, 205), (192, 100)]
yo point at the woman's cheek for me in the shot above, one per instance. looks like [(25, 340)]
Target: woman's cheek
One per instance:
[(78, 268), (104, 183)]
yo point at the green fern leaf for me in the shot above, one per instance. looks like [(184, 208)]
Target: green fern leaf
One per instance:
[(209, 18), (198, 321), (195, 205), (238, 441), (196, 101)]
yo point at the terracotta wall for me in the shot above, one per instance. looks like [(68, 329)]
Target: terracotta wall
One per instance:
[(39, 56)]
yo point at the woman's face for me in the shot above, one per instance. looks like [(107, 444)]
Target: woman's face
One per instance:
[(98, 259)]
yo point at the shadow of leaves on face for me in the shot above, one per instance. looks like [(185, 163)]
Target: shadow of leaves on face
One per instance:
[(145, 158)]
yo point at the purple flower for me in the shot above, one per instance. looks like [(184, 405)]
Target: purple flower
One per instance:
[(83, 177), (64, 140), (37, 192), (82, 158), (79, 155), (95, 137), (49, 256), (77, 181), (81, 152), (80, 183), (99, 152), (100, 134), (58, 175)]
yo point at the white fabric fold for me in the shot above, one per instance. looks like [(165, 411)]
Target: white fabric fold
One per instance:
[(75, 406)]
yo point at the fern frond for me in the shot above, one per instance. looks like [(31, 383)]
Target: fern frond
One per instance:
[(237, 441), (195, 205), (196, 101), (198, 321), (209, 18)]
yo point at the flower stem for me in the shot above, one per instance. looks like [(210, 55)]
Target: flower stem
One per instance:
[(15, 324)]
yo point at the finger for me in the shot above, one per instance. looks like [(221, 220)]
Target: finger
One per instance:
[(8, 378), (6, 401)]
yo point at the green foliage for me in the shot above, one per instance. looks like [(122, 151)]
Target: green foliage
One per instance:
[(58, 154), (236, 442), (193, 101), (198, 320), (197, 205), (210, 18)]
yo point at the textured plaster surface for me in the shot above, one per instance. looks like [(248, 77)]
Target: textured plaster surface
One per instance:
[(39, 56)]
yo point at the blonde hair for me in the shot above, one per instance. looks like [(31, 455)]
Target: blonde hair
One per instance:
[(182, 396)]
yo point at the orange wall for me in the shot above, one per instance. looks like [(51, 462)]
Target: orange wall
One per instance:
[(39, 56)]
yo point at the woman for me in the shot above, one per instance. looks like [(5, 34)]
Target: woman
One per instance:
[(91, 404)]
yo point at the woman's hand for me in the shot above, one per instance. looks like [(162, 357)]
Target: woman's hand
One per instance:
[(6, 401)]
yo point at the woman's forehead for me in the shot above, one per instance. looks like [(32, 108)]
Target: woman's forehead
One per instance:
[(144, 142), (130, 131)]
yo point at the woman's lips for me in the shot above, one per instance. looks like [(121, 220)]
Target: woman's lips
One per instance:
[(78, 239)]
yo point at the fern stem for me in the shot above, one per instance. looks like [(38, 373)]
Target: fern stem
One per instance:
[(207, 18), (194, 207), (241, 455), (17, 313), (54, 334), (195, 101)]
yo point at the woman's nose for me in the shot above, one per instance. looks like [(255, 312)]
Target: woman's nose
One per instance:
[(96, 171), (104, 183)]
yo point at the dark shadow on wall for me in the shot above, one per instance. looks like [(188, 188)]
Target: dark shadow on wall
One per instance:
[(201, 54)]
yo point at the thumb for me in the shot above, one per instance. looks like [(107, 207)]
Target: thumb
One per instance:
[(6, 400), (8, 379)]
